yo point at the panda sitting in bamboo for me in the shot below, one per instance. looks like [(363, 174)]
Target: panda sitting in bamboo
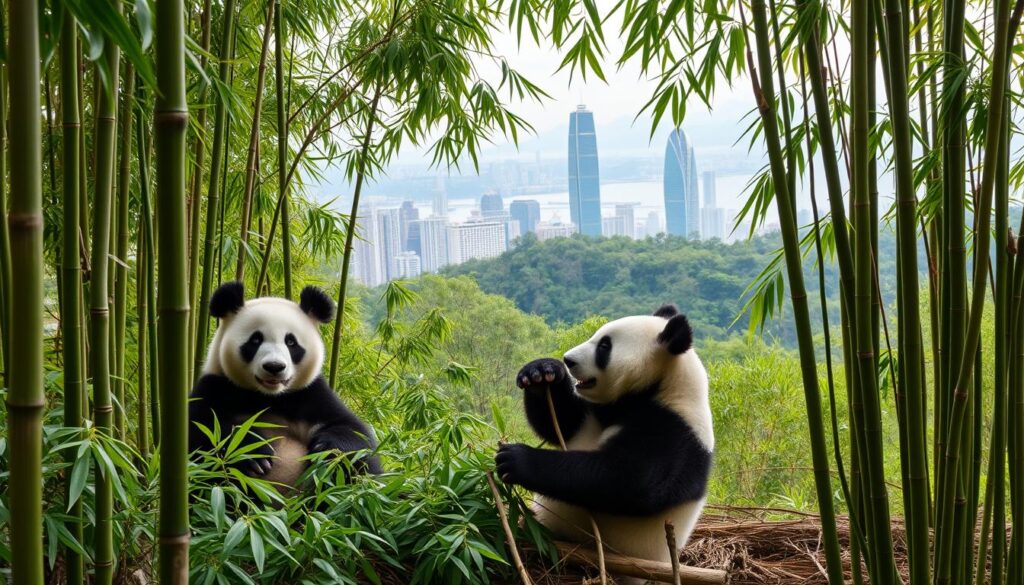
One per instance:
[(266, 357)]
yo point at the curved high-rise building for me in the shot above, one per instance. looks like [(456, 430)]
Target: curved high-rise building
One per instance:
[(682, 206), (584, 175)]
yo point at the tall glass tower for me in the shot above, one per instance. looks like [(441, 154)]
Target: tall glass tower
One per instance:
[(682, 205), (584, 175)]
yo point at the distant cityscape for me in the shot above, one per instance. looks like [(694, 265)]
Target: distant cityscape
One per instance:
[(411, 239)]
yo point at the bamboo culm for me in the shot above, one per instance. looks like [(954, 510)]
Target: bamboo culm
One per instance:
[(170, 123), (25, 399)]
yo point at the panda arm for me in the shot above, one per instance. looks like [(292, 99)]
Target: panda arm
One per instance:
[(569, 408), (637, 473), (216, 398), (337, 427)]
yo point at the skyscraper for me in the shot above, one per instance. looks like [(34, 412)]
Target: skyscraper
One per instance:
[(627, 212), (712, 218), (527, 213), (480, 239), (682, 207), (433, 234), (584, 174), (389, 242), (407, 214), (492, 205), (407, 265)]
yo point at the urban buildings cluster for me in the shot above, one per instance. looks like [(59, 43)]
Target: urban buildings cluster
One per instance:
[(395, 242)]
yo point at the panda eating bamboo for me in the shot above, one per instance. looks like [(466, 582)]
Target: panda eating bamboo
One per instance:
[(632, 407)]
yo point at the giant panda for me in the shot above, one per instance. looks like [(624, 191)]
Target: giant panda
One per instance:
[(632, 405), (266, 356)]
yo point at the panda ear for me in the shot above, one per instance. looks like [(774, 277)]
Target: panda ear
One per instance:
[(317, 304), (667, 311), (677, 337), (227, 299)]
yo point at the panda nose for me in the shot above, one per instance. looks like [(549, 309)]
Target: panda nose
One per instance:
[(569, 362), (274, 367)]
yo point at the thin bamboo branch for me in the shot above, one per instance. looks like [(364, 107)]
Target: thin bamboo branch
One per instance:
[(510, 538)]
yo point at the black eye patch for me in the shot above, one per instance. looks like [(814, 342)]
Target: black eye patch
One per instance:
[(604, 352), (251, 346), (294, 349)]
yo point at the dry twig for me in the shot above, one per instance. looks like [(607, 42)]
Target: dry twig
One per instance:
[(516, 559)]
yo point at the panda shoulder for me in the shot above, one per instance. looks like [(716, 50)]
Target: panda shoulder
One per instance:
[(213, 385)]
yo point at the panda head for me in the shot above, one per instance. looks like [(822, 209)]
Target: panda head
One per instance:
[(629, 354), (269, 344)]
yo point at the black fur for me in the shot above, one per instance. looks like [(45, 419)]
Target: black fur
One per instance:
[(603, 354), (296, 351), (251, 346), (316, 404), (317, 304), (677, 336), (227, 299), (667, 311), (654, 462)]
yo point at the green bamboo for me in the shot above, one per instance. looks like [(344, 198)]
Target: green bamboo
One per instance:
[(282, 152), (5, 239), (964, 376), (25, 399), (213, 195), (170, 125), (765, 96), (194, 208), (99, 308), (142, 259), (1015, 415), (914, 449), (71, 318), (121, 266), (876, 522), (350, 231), (146, 219), (252, 162)]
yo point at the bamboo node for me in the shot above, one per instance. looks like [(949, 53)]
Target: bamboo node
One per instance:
[(182, 539), (24, 220)]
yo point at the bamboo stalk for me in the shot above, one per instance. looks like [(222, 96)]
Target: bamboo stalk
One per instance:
[(576, 554), (5, 239), (25, 398), (913, 449), (350, 231), (282, 153), (252, 163), (99, 308), (142, 261), (763, 92), (149, 242), (170, 123), (213, 194), (71, 317), (120, 265), (194, 208), (517, 561)]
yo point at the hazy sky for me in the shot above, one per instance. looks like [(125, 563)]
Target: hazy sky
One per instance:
[(615, 103)]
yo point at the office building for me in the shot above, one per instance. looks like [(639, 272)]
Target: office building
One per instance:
[(433, 234), (480, 239), (682, 206), (527, 213), (584, 173)]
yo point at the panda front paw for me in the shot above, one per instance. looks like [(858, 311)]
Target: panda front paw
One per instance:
[(260, 461), (539, 373), (512, 463), (326, 442)]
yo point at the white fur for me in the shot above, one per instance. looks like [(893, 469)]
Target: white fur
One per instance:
[(274, 318), (637, 361)]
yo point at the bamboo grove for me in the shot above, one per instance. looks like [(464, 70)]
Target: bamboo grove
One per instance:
[(927, 95), (156, 149)]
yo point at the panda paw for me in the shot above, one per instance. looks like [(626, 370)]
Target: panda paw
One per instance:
[(512, 463), (541, 372), (326, 442), (260, 463)]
